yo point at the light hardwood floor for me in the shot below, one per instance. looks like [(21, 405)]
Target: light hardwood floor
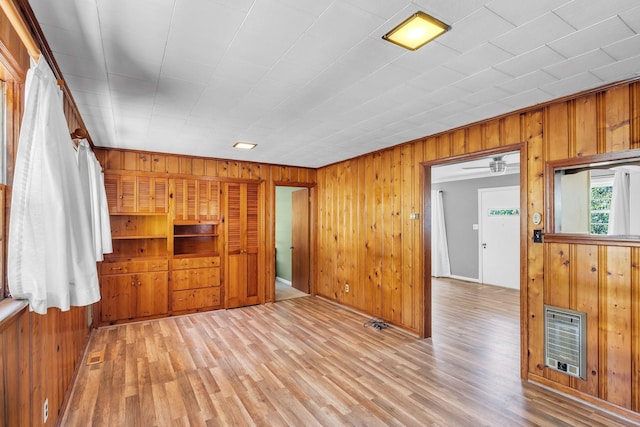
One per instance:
[(307, 362)]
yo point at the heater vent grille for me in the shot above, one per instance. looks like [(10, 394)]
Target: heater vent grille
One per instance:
[(565, 335)]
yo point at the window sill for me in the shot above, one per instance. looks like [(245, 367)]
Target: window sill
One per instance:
[(590, 239), (10, 308)]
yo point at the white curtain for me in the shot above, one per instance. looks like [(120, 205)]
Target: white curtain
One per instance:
[(51, 258), (619, 213), (96, 198), (440, 266)]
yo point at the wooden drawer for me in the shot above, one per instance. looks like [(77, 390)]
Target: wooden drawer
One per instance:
[(195, 262), (195, 278), (134, 266), (195, 298)]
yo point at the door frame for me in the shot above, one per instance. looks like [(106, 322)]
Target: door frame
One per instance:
[(270, 295), (481, 191), (425, 330)]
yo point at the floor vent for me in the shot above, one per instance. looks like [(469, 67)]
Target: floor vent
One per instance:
[(565, 338), (95, 357)]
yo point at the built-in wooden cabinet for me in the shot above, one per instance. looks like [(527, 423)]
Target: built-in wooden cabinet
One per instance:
[(132, 296), (172, 251), (242, 231), (196, 199), (136, 194), (195, 283)]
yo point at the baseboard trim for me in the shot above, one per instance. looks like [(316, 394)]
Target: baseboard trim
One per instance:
[(285, 281), (464, 279)]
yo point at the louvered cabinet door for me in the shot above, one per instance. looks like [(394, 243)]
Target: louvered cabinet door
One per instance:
[(152, 194), (242, 244), (185, 202), (121, 193)]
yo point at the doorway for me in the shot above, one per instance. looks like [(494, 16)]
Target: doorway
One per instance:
[(458, 181), (292, 251)]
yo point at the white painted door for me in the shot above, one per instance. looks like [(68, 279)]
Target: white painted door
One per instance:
[(499, 221)]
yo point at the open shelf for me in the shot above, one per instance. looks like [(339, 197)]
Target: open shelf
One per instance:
[(137, 237), (195, 239)]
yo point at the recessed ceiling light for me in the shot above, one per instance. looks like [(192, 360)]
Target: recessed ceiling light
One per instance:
[(244, 145), (416, 31)]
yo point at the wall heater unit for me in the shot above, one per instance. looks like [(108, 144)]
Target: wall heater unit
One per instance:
[(565, 341)]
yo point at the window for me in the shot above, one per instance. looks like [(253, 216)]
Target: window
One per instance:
[(600, 204)]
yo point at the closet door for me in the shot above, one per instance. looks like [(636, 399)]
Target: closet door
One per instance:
[(241, 244)]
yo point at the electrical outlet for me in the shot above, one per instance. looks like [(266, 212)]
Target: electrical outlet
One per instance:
[(45, 410), (346, 287)]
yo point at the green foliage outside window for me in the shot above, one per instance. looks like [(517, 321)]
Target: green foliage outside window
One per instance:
[(600, 207)]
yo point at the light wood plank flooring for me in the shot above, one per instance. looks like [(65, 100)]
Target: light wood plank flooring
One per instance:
[(306, 362)]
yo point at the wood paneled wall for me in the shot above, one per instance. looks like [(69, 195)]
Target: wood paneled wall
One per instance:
[(366, 238), (38, 354), (225, 170)]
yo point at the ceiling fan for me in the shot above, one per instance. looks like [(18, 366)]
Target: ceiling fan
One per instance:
[(497, 166)]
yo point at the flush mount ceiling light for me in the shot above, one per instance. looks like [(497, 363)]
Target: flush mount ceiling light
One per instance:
[(416, 31), (244, 145)]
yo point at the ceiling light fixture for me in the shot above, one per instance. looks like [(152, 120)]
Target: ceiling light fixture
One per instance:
[(497, 166), (244, 145), (416, 31)]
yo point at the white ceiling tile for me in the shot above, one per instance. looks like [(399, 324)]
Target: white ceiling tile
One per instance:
[(81, 66), (532, 80), (450, 11), (478, 59), (585, 13), (342, 26), (622, 49), (436, 78), (588, 39), (181, 69), (485, 78), (621, 70), (572, 84), (314, 7), (578, 64), (97, 87), (384, 9), (201, 31), (176, 97), (526, 99), (523, 11), (66, 41), (524, 63), (240, 70), (148, 16), (534, 34), (474, 30), (487, 95), (427, 57), (632, 18)]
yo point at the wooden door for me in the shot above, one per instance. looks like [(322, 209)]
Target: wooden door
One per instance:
[(300, 240), (152, 294), (242, 243), (118, 297), (252, 243)]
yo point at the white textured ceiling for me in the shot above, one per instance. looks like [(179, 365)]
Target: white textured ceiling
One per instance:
[(311, 81)]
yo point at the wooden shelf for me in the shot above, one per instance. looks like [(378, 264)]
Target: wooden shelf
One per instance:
[(196, 235), (137, 237)]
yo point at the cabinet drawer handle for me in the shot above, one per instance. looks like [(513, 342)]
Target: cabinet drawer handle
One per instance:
[(116, 268), (133, 283), (139, 284)]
